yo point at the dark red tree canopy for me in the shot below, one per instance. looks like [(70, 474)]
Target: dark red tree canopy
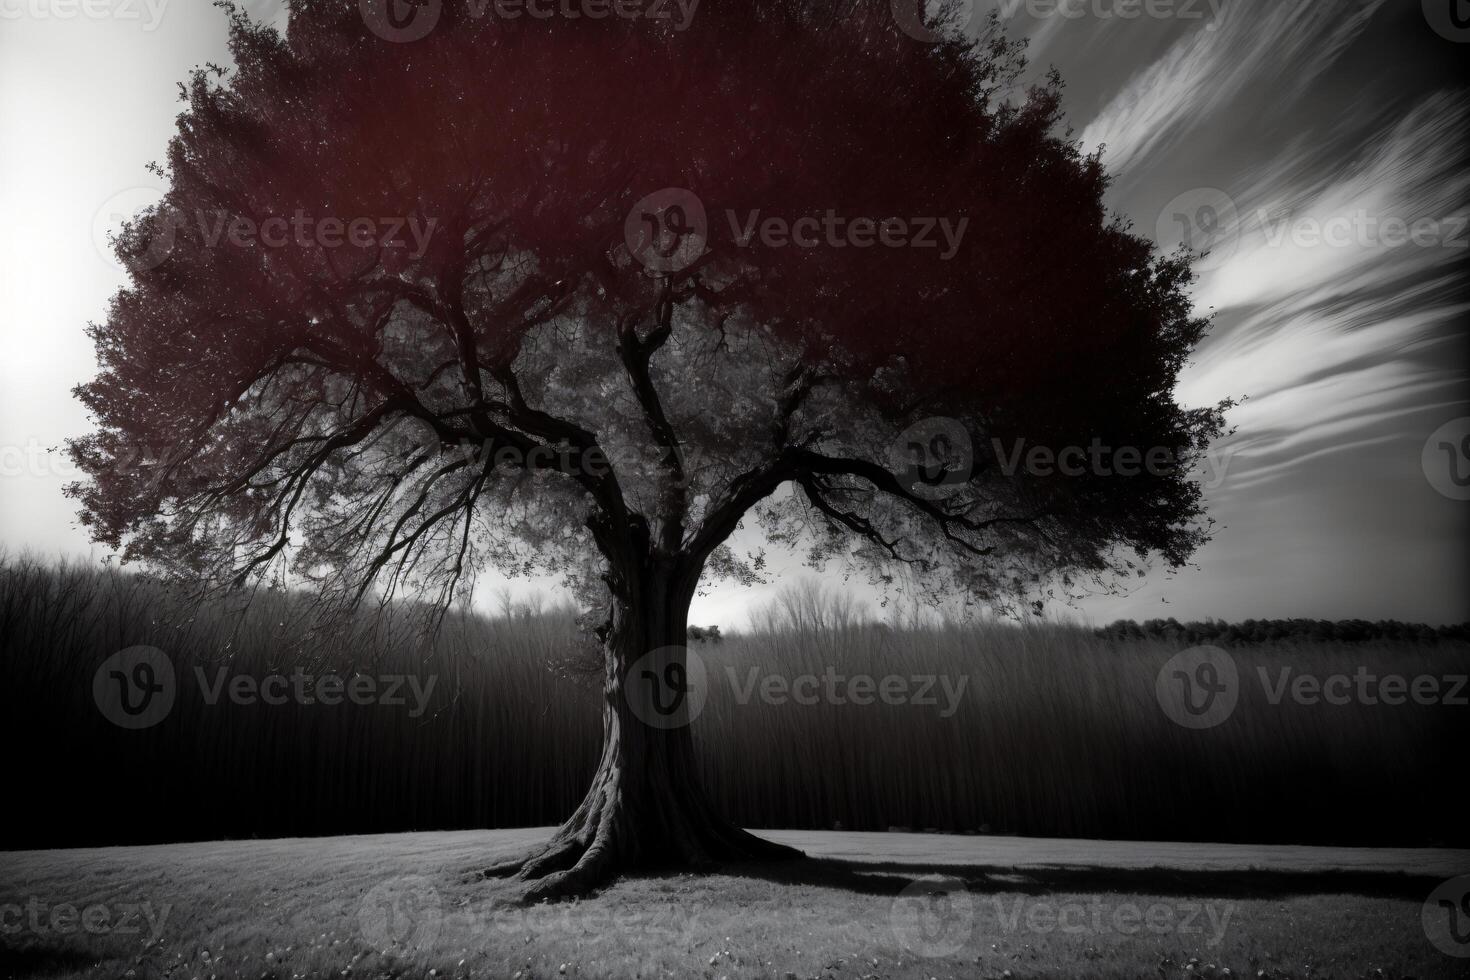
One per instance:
[(494, 368)]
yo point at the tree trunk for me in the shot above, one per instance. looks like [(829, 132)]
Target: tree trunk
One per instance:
[(645, 808)]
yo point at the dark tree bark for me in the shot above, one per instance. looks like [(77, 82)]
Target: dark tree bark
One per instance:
[(646, 808)]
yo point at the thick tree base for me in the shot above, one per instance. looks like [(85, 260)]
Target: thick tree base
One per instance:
[(595, 848), (645, 810)]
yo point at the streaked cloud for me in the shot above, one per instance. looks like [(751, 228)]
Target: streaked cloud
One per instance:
[(1284, 45), (1311, 221)]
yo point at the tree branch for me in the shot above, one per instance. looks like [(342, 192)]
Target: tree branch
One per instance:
[(636, 354)]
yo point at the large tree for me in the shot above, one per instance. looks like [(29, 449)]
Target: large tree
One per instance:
[(557, 363)]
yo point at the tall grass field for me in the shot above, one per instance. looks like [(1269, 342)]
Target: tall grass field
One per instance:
[(1044, 730)]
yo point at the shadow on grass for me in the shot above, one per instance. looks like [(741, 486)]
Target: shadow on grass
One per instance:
[(890, 878)]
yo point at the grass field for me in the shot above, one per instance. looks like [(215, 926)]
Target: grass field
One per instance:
[(409, 906)]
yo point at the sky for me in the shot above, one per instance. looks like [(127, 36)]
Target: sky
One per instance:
[(1317, 147)]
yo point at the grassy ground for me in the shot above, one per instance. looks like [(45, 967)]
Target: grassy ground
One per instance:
[(406, 905)]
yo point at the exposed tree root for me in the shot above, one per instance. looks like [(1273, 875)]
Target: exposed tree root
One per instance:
[(604, 839)]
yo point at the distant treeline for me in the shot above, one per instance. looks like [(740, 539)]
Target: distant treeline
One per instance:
[(1284, 631)]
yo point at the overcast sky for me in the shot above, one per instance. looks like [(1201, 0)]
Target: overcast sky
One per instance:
[(1318, 144)]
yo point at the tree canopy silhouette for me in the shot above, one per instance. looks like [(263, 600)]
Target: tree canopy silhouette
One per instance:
[(505, 295)]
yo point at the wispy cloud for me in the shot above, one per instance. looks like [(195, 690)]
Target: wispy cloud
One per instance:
[(1332, 341), (1399, 211), (1284, 44)]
